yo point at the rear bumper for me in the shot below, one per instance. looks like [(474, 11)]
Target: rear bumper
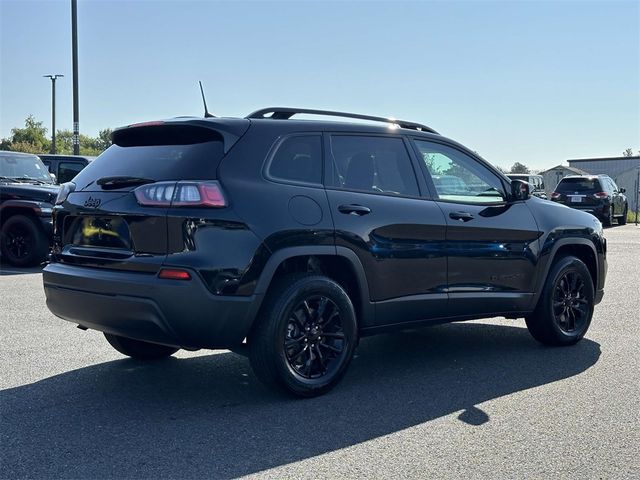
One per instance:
[(141, 306)]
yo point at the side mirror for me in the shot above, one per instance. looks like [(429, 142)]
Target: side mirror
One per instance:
[(53, 177), (622, 190), (520, 190)]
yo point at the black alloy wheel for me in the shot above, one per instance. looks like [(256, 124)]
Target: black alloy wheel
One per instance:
[(570, 307), (565, 306), (314, 343), (305, 335), (22, 242)]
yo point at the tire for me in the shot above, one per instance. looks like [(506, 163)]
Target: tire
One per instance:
[(314, 317), (559, 319), (608, 220), (22, 242), (623, 219), (138, 349)]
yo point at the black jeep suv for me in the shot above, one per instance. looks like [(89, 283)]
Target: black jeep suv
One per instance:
[(596, 194), (288, 240), (27, 195)]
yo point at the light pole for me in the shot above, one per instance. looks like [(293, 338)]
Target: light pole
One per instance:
[(74, 58), (53, 110)]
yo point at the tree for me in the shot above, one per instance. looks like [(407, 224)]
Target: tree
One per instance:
[(627, 153), (501, 169), (30, 139), (519, 168), (33, 139)]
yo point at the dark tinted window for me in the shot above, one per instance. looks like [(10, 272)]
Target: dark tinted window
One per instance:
[(157, 162), (377, 164), (578, 185), (298, 159), (68, 170)]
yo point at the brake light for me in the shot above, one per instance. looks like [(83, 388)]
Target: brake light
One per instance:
[(174, 274), (555, 195), (601, 195), (181, 194)]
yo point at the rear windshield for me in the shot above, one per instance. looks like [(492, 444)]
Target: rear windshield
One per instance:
[(197, 161), (578, 185)]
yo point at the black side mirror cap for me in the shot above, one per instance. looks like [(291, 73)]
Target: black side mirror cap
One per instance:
[(622, 190), (520, 190)]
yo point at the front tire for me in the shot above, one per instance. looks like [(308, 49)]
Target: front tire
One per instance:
[(22, 242), (138, 349), (565, 307), (305, 335)]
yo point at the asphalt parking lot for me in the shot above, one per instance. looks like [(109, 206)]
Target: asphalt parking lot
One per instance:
[(469, 400)]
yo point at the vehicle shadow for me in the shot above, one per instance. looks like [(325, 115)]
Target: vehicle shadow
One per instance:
[(7, 269), (208, 416)]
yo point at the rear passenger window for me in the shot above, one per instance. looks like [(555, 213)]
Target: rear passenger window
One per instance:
[(298, 159), (375, 164)]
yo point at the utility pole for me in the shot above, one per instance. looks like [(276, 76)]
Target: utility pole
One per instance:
[(53, 110), (74, 49)]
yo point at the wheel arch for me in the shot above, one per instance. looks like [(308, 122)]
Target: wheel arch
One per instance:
[(17, 207), (338, 263), (581, 248)]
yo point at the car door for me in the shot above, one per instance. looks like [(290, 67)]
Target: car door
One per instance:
[(492, 244), (375, 200)]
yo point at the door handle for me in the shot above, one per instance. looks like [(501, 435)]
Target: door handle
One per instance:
[(357, 210), (462, 216)]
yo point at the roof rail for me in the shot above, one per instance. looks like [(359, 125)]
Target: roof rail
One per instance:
[(284, 113)]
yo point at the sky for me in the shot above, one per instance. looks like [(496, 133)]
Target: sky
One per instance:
[(528, 81)]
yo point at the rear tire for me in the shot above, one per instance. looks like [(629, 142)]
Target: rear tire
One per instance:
[(623, 219), (607, 221), (305, 335), (138, 349), (564, 310), (22, 242)]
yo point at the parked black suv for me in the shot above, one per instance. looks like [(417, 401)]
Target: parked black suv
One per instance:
[(291, 239), (596, 194), (27, 195)]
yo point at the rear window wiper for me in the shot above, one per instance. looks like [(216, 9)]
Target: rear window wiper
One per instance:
[(109, 183)]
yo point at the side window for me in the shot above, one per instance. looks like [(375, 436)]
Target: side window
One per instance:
[(68, 170), (298, 159), (458, 177), (613, 185), (47, 164), (375, 164)]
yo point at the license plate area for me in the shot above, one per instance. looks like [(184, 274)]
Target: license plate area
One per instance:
[(576, 199), (98, 231)]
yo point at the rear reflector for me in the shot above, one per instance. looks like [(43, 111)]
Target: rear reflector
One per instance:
[(181, 194), (174, 274), (555, 195)]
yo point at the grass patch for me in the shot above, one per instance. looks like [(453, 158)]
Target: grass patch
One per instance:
[(631, 216)]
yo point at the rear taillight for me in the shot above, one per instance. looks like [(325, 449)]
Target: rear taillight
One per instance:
[(181, 194), (65, 190), (555, 195), (601, 195)]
